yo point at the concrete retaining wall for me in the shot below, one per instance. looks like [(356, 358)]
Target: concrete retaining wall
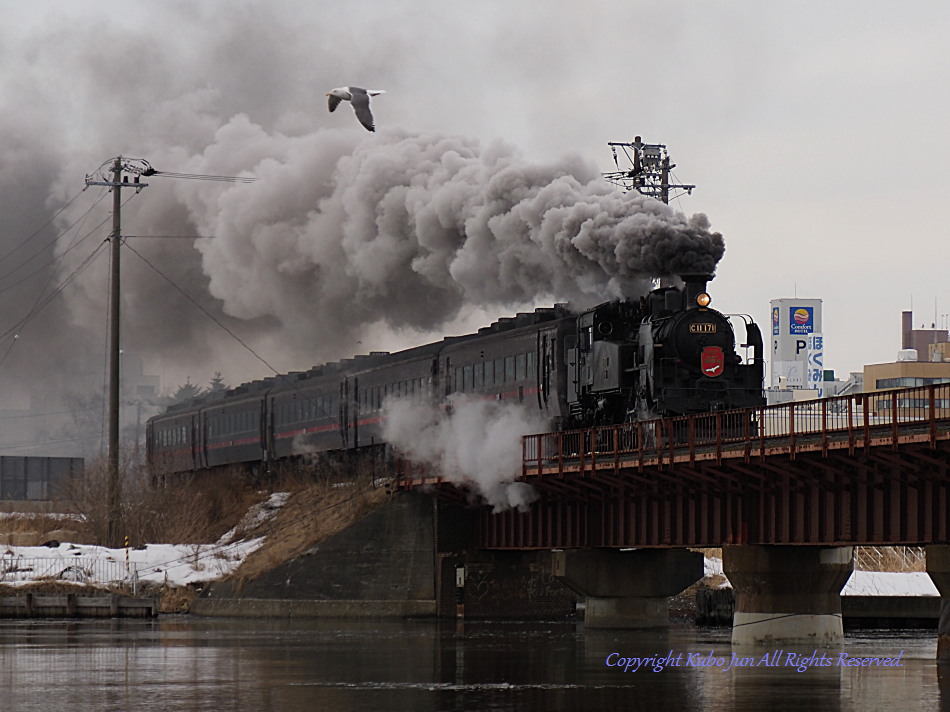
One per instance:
[(277, 608), (386, 558), (400, 560)]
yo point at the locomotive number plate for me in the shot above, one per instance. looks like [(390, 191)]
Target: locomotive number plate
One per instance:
[(702, 328)]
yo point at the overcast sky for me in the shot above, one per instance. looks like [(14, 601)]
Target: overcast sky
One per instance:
[(815, 133)]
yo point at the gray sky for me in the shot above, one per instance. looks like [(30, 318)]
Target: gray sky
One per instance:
[(814, 132)]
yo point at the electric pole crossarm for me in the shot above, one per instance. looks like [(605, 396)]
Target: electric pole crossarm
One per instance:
[(648, 172), (126, 184)]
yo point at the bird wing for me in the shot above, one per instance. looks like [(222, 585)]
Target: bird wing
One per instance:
[(360, 102), (333, 101)]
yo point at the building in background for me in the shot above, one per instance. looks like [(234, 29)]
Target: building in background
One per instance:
[(793, 322), (924, 360), (931, 344)]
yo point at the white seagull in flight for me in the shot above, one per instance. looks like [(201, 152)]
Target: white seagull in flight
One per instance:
[(359, 98)]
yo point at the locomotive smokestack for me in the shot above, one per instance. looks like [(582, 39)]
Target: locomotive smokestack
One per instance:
[(695, 285)]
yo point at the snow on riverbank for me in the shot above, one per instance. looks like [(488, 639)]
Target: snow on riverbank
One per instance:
[(883, 583), (163, 564), (180, 565), (862, 583), (173, 565)]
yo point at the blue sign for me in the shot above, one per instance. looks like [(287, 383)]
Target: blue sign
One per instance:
[(801, 320), (816, 356)]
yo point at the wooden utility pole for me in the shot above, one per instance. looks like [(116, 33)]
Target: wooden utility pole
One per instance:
[(113, 493), (113, 481)]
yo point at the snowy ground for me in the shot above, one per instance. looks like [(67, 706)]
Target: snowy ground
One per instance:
[(865, 583), (182, 565), (179, 565), (173, 565), (156, 563)]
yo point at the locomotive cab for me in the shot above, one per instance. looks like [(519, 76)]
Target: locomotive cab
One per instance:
[(602, 363)]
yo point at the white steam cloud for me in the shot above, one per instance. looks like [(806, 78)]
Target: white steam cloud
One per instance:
[(472, 442)]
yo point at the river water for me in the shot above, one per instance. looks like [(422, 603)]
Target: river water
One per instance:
[(189, 663)]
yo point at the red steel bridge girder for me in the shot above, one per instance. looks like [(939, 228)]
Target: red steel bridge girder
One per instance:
[(865, 469)]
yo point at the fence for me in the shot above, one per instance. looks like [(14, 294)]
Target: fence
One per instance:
[(857, 418), (890, 558), (81, 569)]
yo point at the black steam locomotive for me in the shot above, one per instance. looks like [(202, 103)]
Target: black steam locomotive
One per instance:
[(667, 354)]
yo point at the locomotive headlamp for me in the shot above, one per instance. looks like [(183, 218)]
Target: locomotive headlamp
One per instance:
[(703, 299)]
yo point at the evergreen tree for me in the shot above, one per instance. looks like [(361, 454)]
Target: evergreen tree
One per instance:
[(186, 392), (217, 384)]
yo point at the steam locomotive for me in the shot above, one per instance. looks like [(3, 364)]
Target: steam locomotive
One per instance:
[(666, 354)]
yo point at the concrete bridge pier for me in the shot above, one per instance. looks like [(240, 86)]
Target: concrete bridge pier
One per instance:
[(787, 594), (938, 567), (627, 589)]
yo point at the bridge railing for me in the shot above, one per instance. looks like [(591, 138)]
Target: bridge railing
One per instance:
[(855, 418)]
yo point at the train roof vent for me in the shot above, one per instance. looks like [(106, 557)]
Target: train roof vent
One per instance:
[(379, 353), (315, 371)]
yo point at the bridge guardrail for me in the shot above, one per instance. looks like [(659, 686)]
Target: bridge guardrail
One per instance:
[(857, 418)]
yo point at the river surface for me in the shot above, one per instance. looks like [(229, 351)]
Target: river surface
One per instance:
[(189, 663)]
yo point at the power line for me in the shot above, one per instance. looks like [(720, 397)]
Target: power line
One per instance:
[(279, 376), (65, 252), (199, 176), (42, 227), (41, 303), (38, 443), (143, 168), (37, 307), (45, 415), (171, 237), (202, 309)]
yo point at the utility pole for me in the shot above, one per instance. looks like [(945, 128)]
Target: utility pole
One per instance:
[(113, 495), (113, 498), (647, 169)]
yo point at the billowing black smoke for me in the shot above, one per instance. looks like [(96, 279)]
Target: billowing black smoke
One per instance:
[(343, 237), (340, 232)]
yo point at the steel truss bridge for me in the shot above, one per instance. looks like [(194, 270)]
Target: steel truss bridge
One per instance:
[(863, 469)]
